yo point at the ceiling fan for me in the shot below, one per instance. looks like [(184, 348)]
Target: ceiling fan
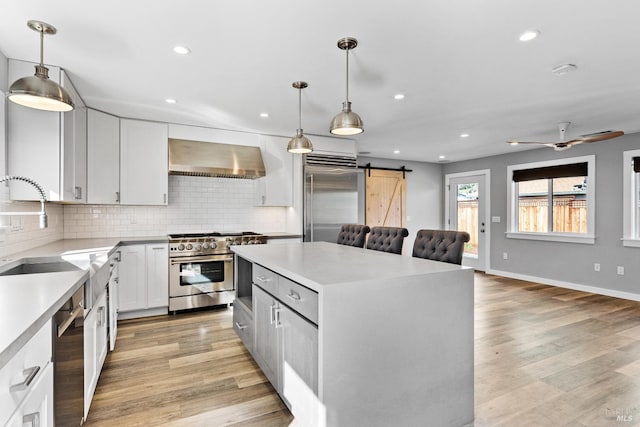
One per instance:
[(563, 144)]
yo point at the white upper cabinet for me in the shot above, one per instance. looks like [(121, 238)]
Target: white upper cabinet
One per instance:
[(103, 158), (334, 146), (276, 187), (144, 175), (48, 147)]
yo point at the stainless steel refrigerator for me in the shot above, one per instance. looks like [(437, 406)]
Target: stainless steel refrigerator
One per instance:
[(333, 196)]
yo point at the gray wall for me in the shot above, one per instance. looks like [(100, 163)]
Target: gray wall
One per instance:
[(424, 195), (570, 263)]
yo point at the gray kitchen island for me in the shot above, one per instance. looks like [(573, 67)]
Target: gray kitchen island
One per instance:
[(356, 337)]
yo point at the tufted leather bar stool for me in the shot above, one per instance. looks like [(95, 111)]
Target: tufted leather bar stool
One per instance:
[(387, 239), (353, 235), (440, 245)]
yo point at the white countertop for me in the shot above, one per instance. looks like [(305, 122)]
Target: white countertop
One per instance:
[(320, 264), (28, 301)]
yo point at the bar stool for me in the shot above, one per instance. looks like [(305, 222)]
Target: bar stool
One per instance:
[(440, 245), (387, 239), (353, 235)]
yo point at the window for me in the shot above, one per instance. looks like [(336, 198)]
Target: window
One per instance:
[(631, 198), (552, 200)]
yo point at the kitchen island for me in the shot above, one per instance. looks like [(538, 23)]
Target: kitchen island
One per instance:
[(355, 337)]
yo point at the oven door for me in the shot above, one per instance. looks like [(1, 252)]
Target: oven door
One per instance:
[(200, 275)]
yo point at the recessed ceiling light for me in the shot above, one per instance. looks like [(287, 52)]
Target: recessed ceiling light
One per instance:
[(170, 101), (529, 35), (464, 135), (398, 96), (396, 151), (264, 115), (182, 50), (441, 157)]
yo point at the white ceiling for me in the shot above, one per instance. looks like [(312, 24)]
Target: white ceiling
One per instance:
[(459, 63)]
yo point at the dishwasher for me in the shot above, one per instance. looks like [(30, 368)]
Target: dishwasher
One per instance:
[(68, 361)]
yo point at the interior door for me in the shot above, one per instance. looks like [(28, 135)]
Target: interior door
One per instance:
[(467, 213), (385, 199)]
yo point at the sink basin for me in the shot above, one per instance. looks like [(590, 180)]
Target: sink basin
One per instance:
[(40, 267)]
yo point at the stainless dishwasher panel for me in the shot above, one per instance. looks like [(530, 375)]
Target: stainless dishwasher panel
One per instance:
[(68, 361)]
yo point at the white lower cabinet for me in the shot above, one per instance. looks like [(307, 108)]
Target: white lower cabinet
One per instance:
[(36, 410), (95, 347), (26, 382), (143, 286)]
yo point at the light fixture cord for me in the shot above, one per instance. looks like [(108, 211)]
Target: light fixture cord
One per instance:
[(42, 47), (347, 50), (299, 108)]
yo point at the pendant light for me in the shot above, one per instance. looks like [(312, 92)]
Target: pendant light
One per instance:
[(300, 144), (347, 122), (38, 91)]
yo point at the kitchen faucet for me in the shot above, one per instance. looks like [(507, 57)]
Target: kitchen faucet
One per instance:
[(43, 199)]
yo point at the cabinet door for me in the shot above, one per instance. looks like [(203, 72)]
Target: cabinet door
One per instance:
[(33, 142), (90, 354), (157, 275), (103, 158), (37, 407), (101, 335), (144, 172), (276, 187), (299, 340), (113, 310), (265, 348), (73, 154), (132, 293)]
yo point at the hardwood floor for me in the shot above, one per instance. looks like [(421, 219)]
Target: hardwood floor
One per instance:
[(544, 356)]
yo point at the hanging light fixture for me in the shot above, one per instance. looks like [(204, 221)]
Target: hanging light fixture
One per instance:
[(38, 91), (347, 122), (300, 144)]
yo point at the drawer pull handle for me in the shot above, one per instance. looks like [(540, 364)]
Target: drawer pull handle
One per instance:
[(241, 327), (277, 318), (294, 296), (272, 317), (263, 279), (33, 418), (30, 374)]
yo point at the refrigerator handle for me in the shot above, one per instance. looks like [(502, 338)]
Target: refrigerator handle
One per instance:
[(311, 205)]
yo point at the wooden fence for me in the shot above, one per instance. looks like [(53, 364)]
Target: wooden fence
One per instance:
[(569, 216)]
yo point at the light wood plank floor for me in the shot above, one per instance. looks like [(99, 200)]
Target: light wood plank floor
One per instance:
[(544, 356)]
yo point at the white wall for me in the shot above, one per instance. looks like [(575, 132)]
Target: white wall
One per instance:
[(560, 263), (424, 202)]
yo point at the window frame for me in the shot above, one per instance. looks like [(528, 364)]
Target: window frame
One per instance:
[(630, 214), (512, 203)]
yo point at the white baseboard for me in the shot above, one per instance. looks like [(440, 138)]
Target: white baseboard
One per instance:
[(568, 285)]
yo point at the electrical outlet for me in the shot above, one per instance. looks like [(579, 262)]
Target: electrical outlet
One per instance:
[(505, 255), (620, 270), (596, 266)]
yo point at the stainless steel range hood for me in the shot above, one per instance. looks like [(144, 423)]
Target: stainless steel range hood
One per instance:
[(197, 158)]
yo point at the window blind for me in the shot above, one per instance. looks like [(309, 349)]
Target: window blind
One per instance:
[(557, 171), (636, 164)]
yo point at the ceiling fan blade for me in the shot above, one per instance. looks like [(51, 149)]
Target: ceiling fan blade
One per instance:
[(600, 136), (515, 142)]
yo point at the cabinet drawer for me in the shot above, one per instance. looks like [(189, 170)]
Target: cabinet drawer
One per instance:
[(243, 325), (266, 279), (25, 368), (37, 407), (299, 298)]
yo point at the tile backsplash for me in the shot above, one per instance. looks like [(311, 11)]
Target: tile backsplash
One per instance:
[(196, 204), (19, 233)]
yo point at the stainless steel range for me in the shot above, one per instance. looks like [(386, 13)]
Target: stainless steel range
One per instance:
[(201, 268)]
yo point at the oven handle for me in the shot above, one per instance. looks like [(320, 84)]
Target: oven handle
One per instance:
[(200, 259)]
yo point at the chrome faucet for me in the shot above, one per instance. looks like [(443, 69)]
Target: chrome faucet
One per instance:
[(43, 199)]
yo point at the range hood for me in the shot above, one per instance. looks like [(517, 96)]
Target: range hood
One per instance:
[(197, 158)]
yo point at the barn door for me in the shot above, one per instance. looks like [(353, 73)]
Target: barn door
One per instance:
[(385, 198)]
